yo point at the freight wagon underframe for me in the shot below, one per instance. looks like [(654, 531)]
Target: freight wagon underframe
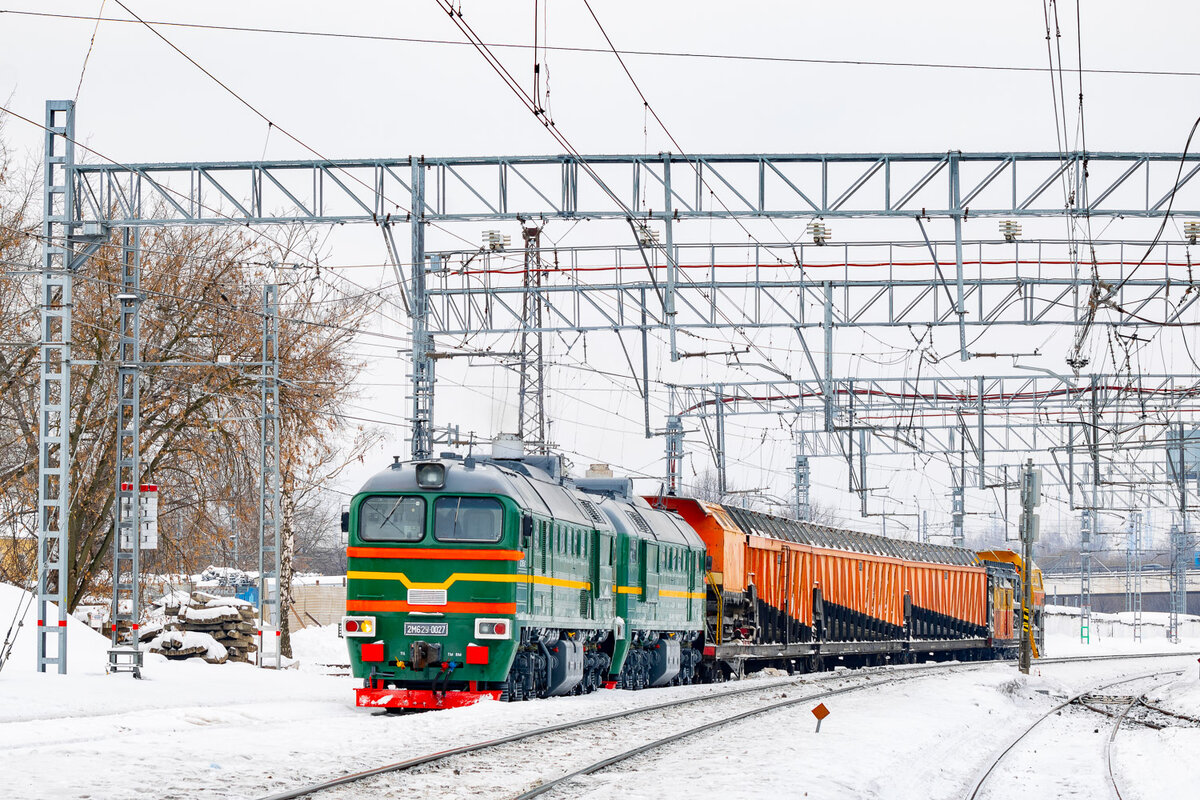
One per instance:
[(800, 657)]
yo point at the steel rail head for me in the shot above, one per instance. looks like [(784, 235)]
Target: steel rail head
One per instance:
[(1073, 699), (624, 756)]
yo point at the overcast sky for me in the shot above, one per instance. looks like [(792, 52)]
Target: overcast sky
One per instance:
[(141, 101)]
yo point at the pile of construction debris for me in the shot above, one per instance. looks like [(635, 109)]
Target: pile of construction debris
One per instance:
[(217, 629)]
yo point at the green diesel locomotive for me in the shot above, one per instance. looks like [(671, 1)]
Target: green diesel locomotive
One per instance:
[(475, 577)]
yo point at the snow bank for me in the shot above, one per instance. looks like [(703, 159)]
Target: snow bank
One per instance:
[(316, 647), (87, 650), (1062, 624)]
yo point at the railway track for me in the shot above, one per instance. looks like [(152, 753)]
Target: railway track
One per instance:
[(1108, 743), (1090, 699), (610, 761), (563, 782), (1115, 657), (861, 680), (430, 766)]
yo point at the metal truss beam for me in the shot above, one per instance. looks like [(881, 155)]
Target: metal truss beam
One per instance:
[(976, 422), (531, 400), (952, 184), (793, 286), (1087, 521), (1182, 550), (801, 508), (423, 364), (932, 401), (869, 285), (1133, 572)]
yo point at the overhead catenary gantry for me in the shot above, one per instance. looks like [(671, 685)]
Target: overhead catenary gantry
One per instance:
[(980, 422), (665, 190), (798, 285)]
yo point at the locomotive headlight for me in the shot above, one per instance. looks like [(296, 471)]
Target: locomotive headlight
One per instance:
[(357, 626), (493, 629), (431, 475)]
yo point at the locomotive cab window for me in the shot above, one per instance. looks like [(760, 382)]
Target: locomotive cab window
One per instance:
[(391, 519), (467, 519)]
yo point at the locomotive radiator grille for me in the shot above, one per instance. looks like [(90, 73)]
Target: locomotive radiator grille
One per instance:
[(427, 597)]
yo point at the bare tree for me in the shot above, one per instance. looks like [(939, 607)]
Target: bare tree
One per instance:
[(201, 290)]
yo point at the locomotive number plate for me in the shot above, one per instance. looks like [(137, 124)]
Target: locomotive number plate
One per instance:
[(426, 628)]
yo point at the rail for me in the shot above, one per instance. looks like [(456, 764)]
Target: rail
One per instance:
[(870, 679), (983, 779), (666, 740)]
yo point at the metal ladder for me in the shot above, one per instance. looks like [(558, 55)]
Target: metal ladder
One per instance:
[(54, 425)]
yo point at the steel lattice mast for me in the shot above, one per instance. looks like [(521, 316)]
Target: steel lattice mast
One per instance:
[(270, 607), (531, 400), (127, 527)]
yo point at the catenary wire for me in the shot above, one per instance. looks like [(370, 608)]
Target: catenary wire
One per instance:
[(678, 54)]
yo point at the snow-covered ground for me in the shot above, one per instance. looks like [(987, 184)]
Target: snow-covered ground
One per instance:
[(1062, 625), (194, 730)]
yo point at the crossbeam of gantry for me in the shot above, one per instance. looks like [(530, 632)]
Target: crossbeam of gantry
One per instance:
[(831, 185), (868, 285), (1101, 433), (896, 397)]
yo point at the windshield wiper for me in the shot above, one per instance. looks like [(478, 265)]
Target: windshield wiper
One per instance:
[(393, 511)]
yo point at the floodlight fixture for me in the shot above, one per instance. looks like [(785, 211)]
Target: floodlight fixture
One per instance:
[(1191, 230), (820, 232), (495, 240), (1010, 229), (647, 236)]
